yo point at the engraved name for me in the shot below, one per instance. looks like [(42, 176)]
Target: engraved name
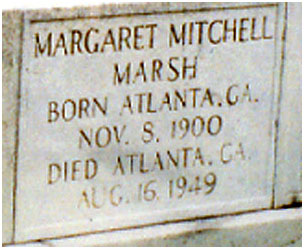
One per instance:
[(145, 36)]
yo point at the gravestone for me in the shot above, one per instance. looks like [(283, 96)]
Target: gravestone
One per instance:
[(119, 119)]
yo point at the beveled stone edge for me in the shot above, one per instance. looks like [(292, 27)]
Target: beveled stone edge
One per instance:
[(12, 26), (161, 235), (285, 194), (134, 8)]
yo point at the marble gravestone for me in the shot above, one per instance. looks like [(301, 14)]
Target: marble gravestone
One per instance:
[(151, 116)]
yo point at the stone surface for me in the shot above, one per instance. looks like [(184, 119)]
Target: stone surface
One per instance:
[(120, 112), (230, 150), (289, 164), (11, 28), (262, 228)]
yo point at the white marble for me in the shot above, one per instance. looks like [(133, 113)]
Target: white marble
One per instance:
[(223, 142), (202, 127), (288, 188), (253, 229)]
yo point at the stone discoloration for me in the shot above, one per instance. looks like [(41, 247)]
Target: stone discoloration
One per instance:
[(253, 235)]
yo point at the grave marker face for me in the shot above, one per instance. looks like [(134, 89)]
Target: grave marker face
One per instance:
[(132, 119)]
